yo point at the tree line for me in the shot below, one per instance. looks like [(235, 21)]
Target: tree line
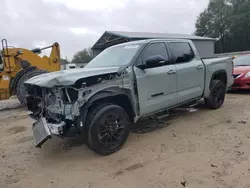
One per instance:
[(82, 57), (227, 20)]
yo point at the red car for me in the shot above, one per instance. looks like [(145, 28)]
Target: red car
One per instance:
[(241, 72)]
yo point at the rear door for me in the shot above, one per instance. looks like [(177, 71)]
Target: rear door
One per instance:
[(190, 71), (157, 86)]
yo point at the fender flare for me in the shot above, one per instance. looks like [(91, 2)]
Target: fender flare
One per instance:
[(15, 80), (109, 92), (216, 73)]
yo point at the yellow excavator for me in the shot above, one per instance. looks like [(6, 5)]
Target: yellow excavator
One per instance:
[(18, 65)]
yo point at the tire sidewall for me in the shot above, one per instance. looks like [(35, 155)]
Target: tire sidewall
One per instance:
[(216, 84), (93, 140), (21, 92), (20, 88)]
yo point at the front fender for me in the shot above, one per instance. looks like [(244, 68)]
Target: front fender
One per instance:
[(103, 95)]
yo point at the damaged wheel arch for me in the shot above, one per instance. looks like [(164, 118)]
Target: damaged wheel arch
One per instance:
[(118, 96)]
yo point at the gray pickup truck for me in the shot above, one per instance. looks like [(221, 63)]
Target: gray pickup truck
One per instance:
[(122, 85)]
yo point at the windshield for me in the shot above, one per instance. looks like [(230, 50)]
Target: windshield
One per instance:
[(242, 60), (114, 56)]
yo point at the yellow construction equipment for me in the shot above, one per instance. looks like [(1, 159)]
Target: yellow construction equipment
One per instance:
[(18, 65)]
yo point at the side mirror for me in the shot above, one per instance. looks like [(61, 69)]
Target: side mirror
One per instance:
[(155, 61)]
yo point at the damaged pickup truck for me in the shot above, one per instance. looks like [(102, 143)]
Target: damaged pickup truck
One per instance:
[(122, 85)]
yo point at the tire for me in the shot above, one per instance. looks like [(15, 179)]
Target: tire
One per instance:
[(217, 95), (21, 92), (102, 122)]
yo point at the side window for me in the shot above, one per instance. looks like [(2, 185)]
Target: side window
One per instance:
[(182, 52), (156, 49)]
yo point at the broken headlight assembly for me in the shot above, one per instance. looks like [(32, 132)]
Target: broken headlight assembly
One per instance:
[(70, 95), (86, 93), (34, 104)]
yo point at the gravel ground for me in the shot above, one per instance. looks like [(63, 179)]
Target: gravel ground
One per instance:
[(10, 104), (203, 148)]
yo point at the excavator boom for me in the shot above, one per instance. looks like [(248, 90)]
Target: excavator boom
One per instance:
[(20, 64)]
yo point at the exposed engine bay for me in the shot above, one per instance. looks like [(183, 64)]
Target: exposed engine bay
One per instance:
[(61, 105)]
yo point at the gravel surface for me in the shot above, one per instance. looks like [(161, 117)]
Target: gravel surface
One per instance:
[(203, 148), (10, 104)]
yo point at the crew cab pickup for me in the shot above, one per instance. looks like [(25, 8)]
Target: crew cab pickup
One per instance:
[(122, 85)]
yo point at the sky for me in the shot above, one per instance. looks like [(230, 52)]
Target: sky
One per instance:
[(77, 24)]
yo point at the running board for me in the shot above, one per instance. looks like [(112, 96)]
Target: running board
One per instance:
[(161, 115), (190, 103), (193, 104)]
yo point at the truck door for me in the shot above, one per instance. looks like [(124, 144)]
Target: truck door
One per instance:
[(190, 71), (157, 85)]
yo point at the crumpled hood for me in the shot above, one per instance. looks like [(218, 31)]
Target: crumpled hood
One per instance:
[(68, 77)]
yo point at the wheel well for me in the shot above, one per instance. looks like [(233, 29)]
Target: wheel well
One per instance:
[(221, 75), (120, 100)]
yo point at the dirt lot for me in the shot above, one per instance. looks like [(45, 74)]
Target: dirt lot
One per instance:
[(204, 148)]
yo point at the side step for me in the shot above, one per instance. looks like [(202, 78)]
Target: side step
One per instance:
[(165, 113), (193, 104), (161, 115)]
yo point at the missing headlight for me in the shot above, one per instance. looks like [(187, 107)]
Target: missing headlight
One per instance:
[(70, 95), (85, 93)]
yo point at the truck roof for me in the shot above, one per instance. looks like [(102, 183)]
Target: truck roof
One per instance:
[(110, 38), (150, 40)]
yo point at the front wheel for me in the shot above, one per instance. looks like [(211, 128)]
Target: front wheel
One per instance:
[(217, 95), (108, 130)]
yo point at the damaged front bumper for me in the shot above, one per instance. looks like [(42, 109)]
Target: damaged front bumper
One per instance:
[(42, 131)]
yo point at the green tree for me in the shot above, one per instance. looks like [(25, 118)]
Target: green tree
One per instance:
[(227, 20), (83, 56), (240, 25), (214, 21)]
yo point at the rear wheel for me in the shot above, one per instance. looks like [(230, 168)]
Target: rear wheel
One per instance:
[(108, 129), (21, 91), (217, 95)]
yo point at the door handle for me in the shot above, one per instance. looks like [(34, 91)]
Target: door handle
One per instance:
[(171, 72), (199, 67)]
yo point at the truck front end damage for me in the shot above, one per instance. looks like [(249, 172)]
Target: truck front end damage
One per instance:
[(54, 111), (57, 110), (100, 100)]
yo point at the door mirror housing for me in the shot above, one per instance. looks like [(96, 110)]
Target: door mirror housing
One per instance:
[(153, 61)]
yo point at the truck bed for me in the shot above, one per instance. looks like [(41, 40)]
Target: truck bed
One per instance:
[(213, 64)]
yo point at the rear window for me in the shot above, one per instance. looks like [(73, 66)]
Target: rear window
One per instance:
[(182, 52)]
